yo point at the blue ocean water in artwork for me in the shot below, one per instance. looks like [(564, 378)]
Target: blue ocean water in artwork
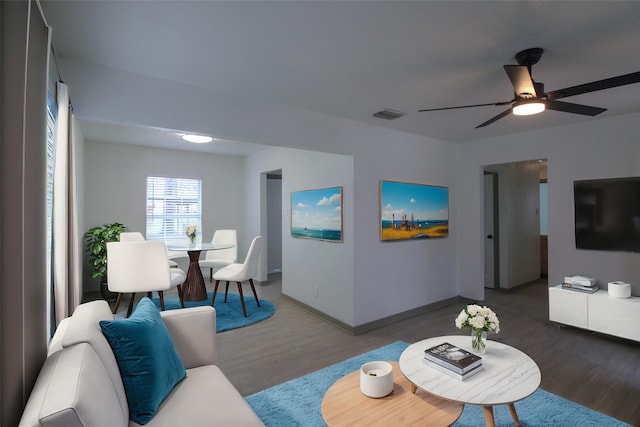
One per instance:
[(317, 233), (420, 223)]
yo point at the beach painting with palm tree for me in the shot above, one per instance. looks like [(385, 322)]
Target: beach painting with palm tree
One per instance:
[(317, 214), (413, 211)]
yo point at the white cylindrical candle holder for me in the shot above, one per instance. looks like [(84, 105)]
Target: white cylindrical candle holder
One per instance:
[(619, 289), (376, 379)]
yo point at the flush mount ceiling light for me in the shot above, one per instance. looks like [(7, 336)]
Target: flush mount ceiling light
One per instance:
[(528, 107), (197, 139)]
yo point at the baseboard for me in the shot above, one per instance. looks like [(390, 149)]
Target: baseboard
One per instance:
[(366, 327)]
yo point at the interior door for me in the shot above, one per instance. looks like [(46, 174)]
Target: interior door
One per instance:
[(490, 241)]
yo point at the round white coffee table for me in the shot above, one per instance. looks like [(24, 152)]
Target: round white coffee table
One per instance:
[(509, 375)]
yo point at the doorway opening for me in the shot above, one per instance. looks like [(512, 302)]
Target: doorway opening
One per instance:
[(491, 231), (274, 222), (515, 215)]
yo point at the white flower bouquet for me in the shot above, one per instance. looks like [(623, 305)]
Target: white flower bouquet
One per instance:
[(191, 232), (479, 319)]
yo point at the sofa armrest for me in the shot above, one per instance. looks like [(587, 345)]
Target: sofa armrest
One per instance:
[(55, 344), (193, 331)]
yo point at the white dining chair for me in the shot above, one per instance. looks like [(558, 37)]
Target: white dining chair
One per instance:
[(240, 273), (136, 236), (219, 258), (134, 267), (131, 236)]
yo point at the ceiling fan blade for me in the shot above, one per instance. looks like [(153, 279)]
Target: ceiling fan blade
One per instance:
[(625, 79), (568, 107), (521, 80), (493, 119), (468, 106)]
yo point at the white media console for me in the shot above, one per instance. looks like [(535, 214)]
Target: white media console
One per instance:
[(596, 312)]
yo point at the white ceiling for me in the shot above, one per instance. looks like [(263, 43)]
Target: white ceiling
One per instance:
[(353, 58), (161, 138)]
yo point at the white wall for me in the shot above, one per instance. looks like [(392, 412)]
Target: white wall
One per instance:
[(115, 186), (308, 264), (594, 148), (396, 276)]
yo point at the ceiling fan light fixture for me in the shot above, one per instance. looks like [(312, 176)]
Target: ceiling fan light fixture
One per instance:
[(528, 107), (197, 139)]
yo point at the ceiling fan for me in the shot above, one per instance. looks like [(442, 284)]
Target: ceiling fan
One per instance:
[(530, 97)]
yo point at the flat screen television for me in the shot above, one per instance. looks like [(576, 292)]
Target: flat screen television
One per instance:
[(607, 214)]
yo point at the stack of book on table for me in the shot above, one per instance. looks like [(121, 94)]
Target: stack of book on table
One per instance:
[(453, 360), (580, 284)]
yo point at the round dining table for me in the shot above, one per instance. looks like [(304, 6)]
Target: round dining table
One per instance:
[(193, 288)]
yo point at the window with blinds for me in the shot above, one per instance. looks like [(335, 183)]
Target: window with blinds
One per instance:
[(52, 116), (172, 205)]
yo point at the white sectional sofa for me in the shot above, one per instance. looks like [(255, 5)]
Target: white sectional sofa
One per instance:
[(80, 382)]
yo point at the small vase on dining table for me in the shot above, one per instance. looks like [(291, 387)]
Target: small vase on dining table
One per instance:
[(478, 340)]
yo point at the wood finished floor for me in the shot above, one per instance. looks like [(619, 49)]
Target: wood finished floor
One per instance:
[(594, 370)]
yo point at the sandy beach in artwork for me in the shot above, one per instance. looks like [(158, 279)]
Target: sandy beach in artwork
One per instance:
[(440, 230)]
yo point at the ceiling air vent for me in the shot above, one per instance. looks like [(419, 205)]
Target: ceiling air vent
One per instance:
[(388, 114)]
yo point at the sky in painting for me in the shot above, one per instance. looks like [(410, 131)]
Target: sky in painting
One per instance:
[(317, 209), (425, 202)]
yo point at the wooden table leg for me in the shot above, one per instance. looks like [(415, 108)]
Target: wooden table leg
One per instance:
[(488, 416), (514, 414), (413, 388), (194, 288)]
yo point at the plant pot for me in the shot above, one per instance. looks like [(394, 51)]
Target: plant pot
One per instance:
[(376, 379), (106, 293)]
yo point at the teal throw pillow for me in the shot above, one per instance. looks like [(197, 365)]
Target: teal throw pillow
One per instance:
[(149, 363)]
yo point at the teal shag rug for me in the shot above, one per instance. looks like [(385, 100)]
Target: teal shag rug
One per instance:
[(228, 315), (297, 402)]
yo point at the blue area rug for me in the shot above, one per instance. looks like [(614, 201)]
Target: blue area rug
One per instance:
[(228, 315), (297, 402)]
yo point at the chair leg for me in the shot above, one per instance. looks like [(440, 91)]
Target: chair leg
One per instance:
[(226, 291), (244, 309), (161, 295), (118, 299), (130, 309), (181, 295), (215, 290), (210, 275), (254, 292)]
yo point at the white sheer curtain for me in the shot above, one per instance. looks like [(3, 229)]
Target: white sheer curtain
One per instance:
[(66, 241)]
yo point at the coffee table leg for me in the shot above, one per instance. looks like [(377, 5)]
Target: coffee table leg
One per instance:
[(514, 414), (413, 388), (488, 416)]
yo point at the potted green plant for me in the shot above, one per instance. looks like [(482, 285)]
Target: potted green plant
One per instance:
[(96, 243)]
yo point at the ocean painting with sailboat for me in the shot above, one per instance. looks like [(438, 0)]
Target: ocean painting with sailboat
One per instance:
[(413, 211), (317, 214)]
